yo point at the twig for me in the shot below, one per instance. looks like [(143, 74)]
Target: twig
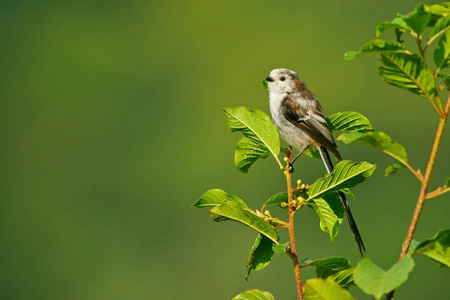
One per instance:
[(431, 40), (300, 189), (439, 191), (416, 173)]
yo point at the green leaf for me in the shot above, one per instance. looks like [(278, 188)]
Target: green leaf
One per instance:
[(378, 140), (216, 197), (346, 174), (442, 52), (328, 266), (397, 23), (437, 248), (344, 278), (376, 45), (257, 128), (438, 10), (254, 295), (392, 169), (280, 248), (349, 121), (230, 210), (418, 19), (276, 199), (447, 182), (248, 152), (260, 255), (330, 212), (375, 281), (324, 289), (440, 27), (407, 71)]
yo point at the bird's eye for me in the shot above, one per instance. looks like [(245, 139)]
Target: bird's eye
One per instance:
[(282, 78)]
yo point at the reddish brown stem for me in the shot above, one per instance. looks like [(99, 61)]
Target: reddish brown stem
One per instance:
[(293, 248), (424, 185), (426, 181)]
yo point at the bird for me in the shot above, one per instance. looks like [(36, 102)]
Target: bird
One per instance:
[(298, 117)]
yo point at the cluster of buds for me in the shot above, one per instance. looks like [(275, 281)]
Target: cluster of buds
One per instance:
[(287, 166), (297, 203), (265, 215), (301, 187)]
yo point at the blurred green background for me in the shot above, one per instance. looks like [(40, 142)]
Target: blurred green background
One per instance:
[(112, 126)]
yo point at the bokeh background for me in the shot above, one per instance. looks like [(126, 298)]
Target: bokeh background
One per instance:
[(112, 126)]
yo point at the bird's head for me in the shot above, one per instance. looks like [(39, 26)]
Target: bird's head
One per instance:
[(283, 80)]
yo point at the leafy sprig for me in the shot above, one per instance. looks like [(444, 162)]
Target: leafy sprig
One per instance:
[(410, 70)]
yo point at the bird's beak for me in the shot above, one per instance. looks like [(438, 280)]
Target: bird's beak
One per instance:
[(268, 78)]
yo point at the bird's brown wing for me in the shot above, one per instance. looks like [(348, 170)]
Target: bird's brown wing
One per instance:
[(312, 122)]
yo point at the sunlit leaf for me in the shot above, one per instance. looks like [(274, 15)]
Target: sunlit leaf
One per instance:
[(277, 199), (349, 121), (247, 152), (216, 197), (374, 46), (261, 135), (346, 174), (254, 295), (324, 289), (260, 255), (376, 139), (437, 248), (230, 210), (375, 281), (438, 10), (392, 169), (407, 71), (330, 212)]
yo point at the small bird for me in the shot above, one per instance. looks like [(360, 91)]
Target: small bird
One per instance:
[(298, 116)]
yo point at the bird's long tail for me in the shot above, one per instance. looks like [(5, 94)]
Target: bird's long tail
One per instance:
[(329, 166)]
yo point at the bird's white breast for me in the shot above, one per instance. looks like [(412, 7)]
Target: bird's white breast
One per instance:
[(294, 136)]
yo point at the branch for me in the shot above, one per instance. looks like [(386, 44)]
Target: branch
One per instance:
[(292, 252), (426, 180), (424, 186)]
